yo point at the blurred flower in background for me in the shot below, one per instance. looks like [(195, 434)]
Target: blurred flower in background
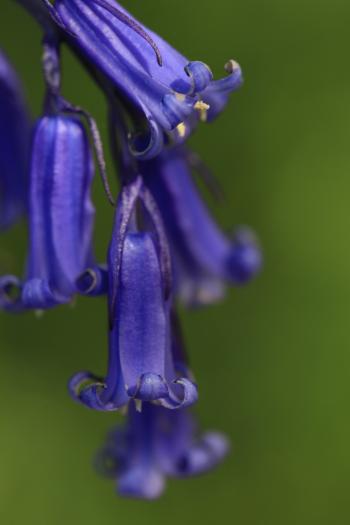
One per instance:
[(15, 134)]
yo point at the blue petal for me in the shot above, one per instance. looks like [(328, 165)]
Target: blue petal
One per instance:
[(93, 281), (141, 364), (60, 213), (154, 444), (176, 108), (10, 294), (204, 257), (141, 481), (15, 135), (150, 387), (200, 75), (37, 294), (159, 82), (123, 55), (216, 95), (141, 331), (203, 455), (245, 259), (145, 146), (88, 390)]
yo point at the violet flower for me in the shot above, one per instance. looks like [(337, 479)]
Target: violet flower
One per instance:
[(171, 92), (60, 215), (141, 364), (205, 258), (155, 444), (15, 133)]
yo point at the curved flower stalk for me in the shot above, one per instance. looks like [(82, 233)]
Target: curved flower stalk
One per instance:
[(170, 92), (15, 134), (204, 257), (156, 444), (60, 215), (141, 362)]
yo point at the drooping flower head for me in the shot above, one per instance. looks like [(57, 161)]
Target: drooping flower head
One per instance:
[(15, 134), (170, 92), (142, 365), (205, 258), (155, 444), (60, 213)]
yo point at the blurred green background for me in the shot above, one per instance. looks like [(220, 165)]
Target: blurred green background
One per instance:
[(273, 361)]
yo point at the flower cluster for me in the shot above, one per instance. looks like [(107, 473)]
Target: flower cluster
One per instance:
[(165, 246)]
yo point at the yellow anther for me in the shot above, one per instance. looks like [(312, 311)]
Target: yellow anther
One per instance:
[(138, 405), (180, 97), (202, 107), (181, 129)]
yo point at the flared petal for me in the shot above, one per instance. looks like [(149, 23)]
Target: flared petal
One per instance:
[(217, 93)]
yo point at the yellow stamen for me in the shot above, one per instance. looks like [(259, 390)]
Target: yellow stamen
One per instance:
[(203, 108), (138, 405), (180, 97), (181, 129)]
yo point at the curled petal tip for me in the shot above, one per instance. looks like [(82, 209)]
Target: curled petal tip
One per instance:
[(93, 281), (87, 389), (200, 75), (232, 66), (190, 392), (184, 394), (149, 144), (10, 293), (245, 260)]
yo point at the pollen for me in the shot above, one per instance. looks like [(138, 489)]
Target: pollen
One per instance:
[(202, 108), (138, 405), (180, 97), (181, 129)]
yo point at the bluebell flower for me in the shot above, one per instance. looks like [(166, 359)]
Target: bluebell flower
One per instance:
[(170, 92), (142, 365), (205, 258), (61, 215), (165, 243), (155, 444), (15, 134)]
